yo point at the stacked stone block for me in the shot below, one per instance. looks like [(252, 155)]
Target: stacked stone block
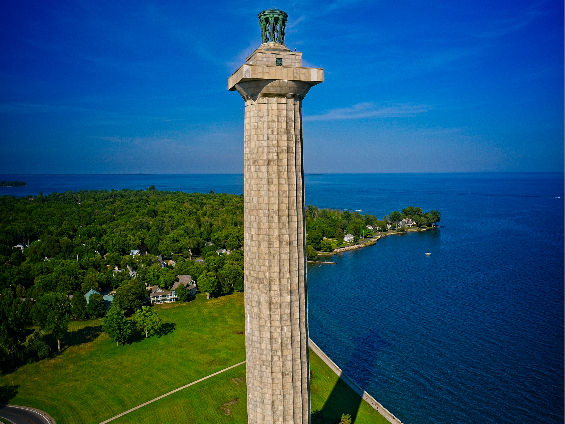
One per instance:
[(276, 327)]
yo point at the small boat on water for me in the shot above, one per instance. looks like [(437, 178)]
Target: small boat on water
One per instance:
[(428, 254)]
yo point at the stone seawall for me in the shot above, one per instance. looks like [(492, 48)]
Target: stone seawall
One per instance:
[(366, 396), (355, 246), (373, 241)]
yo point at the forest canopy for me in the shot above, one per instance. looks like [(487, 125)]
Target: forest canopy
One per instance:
[(73, 242), (77, 241)]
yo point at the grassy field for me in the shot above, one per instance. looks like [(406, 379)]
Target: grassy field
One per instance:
[(93, 379)]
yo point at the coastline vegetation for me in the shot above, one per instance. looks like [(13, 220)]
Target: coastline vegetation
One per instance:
[(56, 248), (327, 229)]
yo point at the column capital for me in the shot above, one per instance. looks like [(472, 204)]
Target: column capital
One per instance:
[(267, 74)]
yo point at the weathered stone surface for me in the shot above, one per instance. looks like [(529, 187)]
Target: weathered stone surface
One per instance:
[(276, 327)]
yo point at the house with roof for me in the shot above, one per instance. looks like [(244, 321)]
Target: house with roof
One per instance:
[(407, 222), (108, 298), (157, 295), (348, 238), (188, 282), (162, 296)]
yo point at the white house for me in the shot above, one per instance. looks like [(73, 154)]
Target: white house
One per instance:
[(157, 295), (348, 238)]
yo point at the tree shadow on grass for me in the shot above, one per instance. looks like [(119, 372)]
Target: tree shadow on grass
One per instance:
[(166, 328), (7, 393), (138, 336), (343, 399), (84, 335), (44, 346)]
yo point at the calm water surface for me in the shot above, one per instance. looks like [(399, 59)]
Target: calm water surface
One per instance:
[(472, 333)]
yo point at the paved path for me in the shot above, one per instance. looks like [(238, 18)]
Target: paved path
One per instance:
[(24, 415), (170, 393)]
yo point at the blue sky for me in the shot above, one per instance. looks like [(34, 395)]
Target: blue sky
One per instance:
[(410, 86)]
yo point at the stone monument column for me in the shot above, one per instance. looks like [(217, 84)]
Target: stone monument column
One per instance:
[(273, 84)]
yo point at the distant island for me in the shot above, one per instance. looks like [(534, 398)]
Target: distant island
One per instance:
[(12, 183)]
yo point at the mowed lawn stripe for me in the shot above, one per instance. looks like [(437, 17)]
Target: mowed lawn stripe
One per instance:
[(221, 399), (93, 381), (172, 392)]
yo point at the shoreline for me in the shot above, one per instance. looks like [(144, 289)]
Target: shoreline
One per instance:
[(372, 241)]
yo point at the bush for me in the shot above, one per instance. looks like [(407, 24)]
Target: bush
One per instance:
[(327, 245), (311, 253), (36, 346), (95, 308), (116, 325)]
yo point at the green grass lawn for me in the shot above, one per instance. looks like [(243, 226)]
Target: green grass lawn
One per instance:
[(93, 379)]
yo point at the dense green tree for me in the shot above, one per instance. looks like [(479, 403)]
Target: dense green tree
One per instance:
[(167, 278), (95, 307), (314, 238), (232, 273), (327, 245), (36, 346), (131, 296), (233, 242), (395, 216), (148, 321), (435, 217), (339, 233), (356, 227), (183, 293), (311, 253), (116, 325), (90, 282), (311, 212), (421, 220), (78, 305), (208, 283), (412, 212), (76, 239), (14, 318), (52, 312)]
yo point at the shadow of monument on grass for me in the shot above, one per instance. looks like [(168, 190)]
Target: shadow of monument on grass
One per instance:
[(361, 369)]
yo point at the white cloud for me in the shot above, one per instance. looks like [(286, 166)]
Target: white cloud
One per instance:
[(369, 110)]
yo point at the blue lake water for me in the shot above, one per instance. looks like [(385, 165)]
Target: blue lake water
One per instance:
[(472, 333)]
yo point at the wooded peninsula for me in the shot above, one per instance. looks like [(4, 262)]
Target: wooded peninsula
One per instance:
[(13, 183), (57, 248)]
